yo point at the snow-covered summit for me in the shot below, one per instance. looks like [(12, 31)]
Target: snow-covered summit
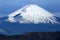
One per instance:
[(32, 13)]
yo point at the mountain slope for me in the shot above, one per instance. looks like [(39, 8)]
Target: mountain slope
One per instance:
[(30, 18), (19, 28)]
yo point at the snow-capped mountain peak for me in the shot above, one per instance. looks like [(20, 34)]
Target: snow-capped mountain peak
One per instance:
[(32, 14)]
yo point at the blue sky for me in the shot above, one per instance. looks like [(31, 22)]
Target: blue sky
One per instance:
[(9, 6)]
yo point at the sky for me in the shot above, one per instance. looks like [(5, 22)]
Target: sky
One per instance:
[(9, 6)]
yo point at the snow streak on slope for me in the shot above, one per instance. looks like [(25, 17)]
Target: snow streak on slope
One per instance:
[(32, 14)]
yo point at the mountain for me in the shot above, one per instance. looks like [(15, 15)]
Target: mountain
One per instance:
[(30, 18), (32, 14)]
